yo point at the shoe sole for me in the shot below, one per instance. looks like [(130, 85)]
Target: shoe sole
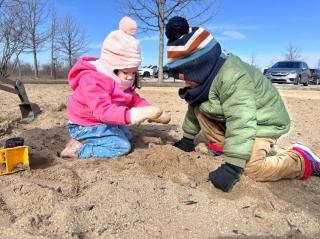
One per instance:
[(306, 149)]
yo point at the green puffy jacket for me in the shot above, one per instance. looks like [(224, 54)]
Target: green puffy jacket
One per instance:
[(248, 103)]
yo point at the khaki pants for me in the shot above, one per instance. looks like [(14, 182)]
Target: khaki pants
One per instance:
[(260, 167)]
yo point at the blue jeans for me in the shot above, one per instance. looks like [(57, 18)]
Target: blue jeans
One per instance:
[(102, 140)]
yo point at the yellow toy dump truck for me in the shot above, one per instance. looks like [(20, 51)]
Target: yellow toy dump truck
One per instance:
[(14, 156), (28, 110)]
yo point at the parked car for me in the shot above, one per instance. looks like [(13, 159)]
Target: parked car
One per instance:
[(265, 71), (148, 71), (315, 76), (292, 72), (166, 73)]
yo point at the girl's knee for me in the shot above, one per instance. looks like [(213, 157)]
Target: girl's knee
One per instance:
[(121, 148), (105, 151), (126, 147)]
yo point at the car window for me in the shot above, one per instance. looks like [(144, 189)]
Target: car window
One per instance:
[(287, 64)]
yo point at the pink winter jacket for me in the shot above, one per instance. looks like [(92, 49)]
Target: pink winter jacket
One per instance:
[(97, 98)]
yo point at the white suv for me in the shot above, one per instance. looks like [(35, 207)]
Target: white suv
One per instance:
[(147, 71)]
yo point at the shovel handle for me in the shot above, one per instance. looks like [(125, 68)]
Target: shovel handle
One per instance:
[(7, 81), (21, 91), (8, 89)]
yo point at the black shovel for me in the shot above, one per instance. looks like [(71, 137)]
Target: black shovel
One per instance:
[(28, 110)]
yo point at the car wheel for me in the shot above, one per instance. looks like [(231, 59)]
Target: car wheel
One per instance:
[(146, 74), (298, 80), (306, 83), (165, 75)]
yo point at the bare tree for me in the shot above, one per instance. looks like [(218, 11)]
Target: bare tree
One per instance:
[(293, 53), (253, 60), (72, 39), (53, 41), (12, 37), (153, 15), (271, 63), (36, 14), (8, 3)]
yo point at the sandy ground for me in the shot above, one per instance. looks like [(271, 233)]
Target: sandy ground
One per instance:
[(157, 191)]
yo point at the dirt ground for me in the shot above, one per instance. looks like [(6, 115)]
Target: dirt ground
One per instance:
[(157, 191)]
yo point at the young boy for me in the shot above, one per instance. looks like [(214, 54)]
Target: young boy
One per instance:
[(236, 107)]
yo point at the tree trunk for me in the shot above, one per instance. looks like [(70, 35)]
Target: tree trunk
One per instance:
[(19, 67), (161, 45), (35, 62), (70, 60), (52, 64)]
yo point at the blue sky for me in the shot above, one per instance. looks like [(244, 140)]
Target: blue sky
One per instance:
[(263, 28)]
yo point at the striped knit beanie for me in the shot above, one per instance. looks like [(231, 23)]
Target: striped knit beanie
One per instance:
[(193, 54)]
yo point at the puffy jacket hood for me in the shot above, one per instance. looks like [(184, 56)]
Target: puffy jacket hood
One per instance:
[(81, 67)]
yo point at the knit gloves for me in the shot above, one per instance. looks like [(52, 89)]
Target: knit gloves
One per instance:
[(225, 176), (185, 144), (140, 114)]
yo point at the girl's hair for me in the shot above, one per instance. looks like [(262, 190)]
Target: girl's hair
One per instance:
[(136, 83)]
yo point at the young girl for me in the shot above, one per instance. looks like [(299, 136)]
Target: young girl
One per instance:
[(236, 107), (104, 100)]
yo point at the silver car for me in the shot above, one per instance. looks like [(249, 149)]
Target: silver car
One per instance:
[(290, 72)]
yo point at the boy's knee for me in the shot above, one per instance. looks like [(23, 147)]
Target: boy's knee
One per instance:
[(254, 170), (254, 175)]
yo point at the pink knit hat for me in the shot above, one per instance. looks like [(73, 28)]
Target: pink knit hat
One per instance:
[(121, 49)]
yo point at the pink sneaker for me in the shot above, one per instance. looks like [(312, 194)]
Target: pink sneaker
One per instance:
[(71, 149)]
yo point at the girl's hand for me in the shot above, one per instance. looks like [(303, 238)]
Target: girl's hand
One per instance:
[(164, 118), (140, 114)]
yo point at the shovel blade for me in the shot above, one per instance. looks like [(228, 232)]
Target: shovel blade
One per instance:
[(28, 111)]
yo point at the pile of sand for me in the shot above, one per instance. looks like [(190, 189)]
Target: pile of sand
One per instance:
[(157, 191)]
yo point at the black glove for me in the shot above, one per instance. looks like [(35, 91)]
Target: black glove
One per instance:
[(225, 176), (185, 144)]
